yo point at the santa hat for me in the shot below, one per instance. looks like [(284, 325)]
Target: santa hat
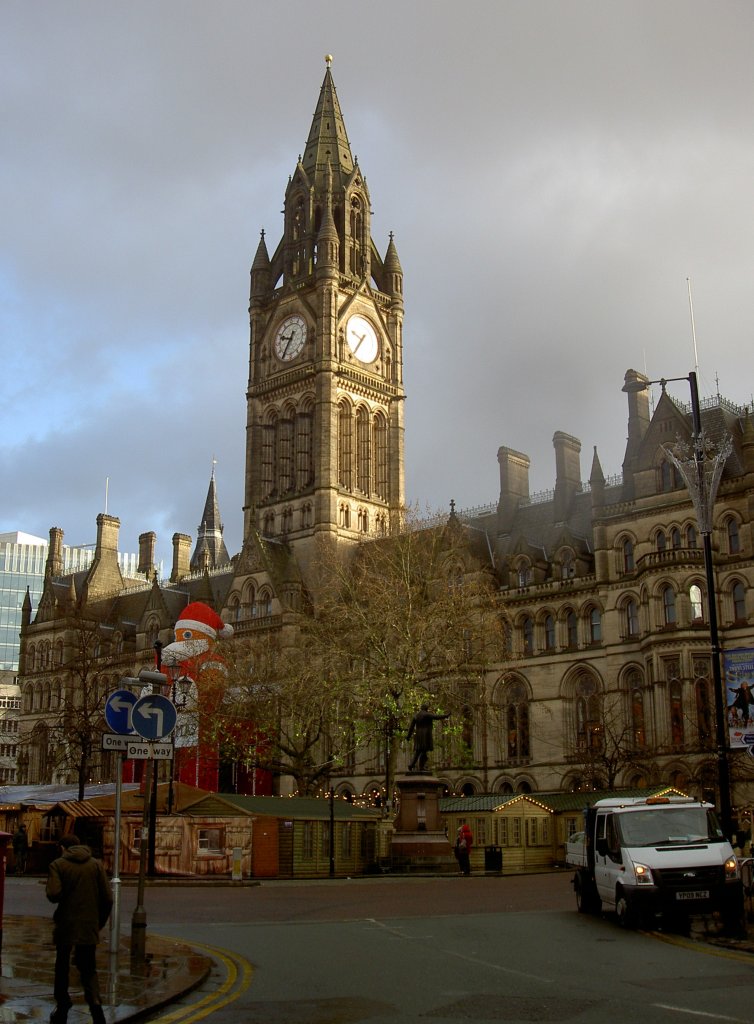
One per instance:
[(202, 619)]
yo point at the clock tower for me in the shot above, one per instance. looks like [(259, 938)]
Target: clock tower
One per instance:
[(324, 443)]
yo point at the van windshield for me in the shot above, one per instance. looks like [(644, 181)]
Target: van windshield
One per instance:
[(669, 826)]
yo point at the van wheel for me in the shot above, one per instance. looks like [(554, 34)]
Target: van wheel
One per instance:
[(587, 900), (627, 916)]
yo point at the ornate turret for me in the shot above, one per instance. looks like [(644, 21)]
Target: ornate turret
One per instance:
[(210, 551)]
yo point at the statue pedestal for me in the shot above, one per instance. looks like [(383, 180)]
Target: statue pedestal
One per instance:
[(419, 841)]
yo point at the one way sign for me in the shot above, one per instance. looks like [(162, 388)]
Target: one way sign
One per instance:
[(118, 707), (154, 717)]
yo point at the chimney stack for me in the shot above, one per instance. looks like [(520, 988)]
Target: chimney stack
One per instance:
[(54, 566), (514, 485), (181, 556), (147, 543), (567, 473)]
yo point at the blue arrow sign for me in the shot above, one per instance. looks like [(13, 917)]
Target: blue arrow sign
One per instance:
[(118, 711), (748, 738), (154, 717)]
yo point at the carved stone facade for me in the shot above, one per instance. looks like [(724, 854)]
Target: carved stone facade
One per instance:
[(603, 583)]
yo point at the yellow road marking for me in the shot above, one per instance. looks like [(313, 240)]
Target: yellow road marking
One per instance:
[(238, 978), (702, 947)]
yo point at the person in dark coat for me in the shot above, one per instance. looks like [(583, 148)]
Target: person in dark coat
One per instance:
[(78, 884), (20, 849)]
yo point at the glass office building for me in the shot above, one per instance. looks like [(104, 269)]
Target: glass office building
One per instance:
[(22, 565)]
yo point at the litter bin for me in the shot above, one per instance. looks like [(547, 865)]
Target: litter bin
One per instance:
[(493, 860)]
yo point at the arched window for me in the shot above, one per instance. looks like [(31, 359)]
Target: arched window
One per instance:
[(304, 456), (572, 629), (285, 453), (734, 539), (345, 516), (675, 698), (588, 715), (363, 451), (567, 566), (691, 538), (267, 461), (298, 234), (738, 596), (549, 633), (638, 726), (306, 515), (528, 633), (381, 479), (669, 478), (595, 626), (627, 550), (516, 722), (675, 538), (354, 241), (523, 572), (695, 598), (631, 612), (268, 527), (668, 606), (234, 609), (661, 541), (363, 517), (345, 448)]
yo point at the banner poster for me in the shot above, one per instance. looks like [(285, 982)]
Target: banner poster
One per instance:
[(739, 696)]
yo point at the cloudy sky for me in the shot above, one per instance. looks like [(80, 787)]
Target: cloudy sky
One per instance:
[(554, 173)]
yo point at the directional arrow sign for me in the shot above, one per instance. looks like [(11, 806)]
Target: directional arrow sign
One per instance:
[(118, 707), (153, 717)]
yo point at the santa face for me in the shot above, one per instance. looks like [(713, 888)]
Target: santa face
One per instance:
[(188, 644)]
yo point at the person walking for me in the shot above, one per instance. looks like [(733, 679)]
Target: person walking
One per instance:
[(20, 849), (463, 849), (78, 884)]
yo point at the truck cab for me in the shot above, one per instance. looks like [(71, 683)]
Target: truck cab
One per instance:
[(656, 856)]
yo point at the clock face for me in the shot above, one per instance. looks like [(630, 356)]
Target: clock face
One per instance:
[(290, 338), (362, 339)]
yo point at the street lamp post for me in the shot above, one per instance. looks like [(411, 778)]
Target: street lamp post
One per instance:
[(702, 491)]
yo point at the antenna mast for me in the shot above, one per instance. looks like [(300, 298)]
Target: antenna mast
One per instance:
[(693, 327)]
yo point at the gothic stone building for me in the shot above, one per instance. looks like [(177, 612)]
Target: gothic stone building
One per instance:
[(603, 583)]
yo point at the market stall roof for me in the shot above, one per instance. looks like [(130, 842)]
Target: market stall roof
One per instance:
[(74, 809), (44, 796)]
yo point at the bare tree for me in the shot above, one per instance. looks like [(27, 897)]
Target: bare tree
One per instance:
[(66, 737), (279, 710), (609, 745), (407, 620), (394, 623)]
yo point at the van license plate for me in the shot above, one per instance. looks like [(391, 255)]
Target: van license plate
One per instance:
[(698, 894)]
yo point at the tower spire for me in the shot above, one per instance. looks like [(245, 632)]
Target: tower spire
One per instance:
[(328, 140), (210, 550)]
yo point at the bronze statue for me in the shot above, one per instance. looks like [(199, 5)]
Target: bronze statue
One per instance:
[(421, 729)]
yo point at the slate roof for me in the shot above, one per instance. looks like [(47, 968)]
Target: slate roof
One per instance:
[(555, 802)]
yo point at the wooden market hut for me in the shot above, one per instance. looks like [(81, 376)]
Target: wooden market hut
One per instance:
[(525, 831)]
